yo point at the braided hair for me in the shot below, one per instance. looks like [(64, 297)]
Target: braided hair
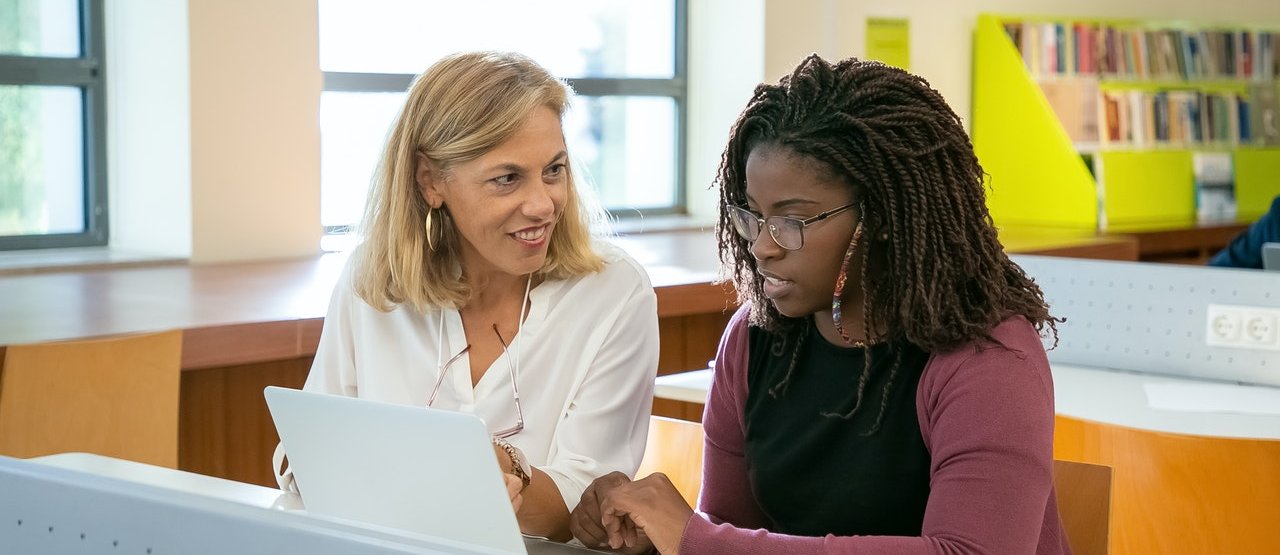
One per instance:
[(933, 272)]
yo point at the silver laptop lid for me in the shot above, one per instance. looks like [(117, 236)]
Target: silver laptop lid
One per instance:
[(425, 471)]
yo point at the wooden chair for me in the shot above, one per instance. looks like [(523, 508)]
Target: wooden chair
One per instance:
[(675, 449), (1084, 503), (115, 396)]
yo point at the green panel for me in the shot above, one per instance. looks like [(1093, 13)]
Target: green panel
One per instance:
[(889, 41), (1257, 180), (1036, 175), (1148, 187), (1238, 87)]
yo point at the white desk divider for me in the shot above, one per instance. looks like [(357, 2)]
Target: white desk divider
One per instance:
[(45, 509), (1152, 317)]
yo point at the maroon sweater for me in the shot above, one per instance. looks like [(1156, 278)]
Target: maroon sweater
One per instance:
[(986, 416)]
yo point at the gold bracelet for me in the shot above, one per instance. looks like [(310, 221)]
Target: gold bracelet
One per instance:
[(516, 467)]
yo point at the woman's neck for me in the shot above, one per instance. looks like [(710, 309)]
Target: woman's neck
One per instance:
[(495, 291), (853, 325)]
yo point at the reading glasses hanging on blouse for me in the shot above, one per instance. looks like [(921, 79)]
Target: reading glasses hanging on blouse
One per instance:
[(512, 366)]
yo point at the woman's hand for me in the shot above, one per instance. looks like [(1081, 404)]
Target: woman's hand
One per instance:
[(585, 522), (650, 507), (514, 487)]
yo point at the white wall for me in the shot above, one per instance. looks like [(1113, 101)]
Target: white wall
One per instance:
[(255, 134), (148, 126), (726, 61), (214, 140)]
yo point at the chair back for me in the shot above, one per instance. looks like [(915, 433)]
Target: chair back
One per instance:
[(675, 449), (115, 396), (1084, 504), (1083, 490)]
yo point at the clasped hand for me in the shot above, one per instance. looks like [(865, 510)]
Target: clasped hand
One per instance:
[(631, 516), (514, 486)]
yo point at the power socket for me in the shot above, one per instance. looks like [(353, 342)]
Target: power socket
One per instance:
[(1259, 328), (1243, 327)]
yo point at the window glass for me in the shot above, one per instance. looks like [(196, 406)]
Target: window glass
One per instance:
[(353, 130), (41, 160), (49, 28), (628, 146), (571, 38)]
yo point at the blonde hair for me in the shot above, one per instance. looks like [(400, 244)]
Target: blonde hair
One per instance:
[(460, 108)]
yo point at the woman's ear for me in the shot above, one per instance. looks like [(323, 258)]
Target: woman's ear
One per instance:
[(425, 174)]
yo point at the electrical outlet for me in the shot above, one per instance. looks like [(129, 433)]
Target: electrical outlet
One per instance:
[(1242, 327), (1259, 329), (1223, 329)]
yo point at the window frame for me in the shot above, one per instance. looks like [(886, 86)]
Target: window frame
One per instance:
[(88, 73), (675, 88)]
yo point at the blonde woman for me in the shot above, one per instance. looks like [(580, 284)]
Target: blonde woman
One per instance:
[(479, 288)]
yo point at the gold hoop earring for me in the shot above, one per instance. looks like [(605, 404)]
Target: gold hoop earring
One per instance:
[(431, 239)]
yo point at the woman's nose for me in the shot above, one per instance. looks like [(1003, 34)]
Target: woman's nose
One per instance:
[(765, 247), (539, 203)]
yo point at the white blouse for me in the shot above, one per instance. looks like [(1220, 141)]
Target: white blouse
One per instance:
[(588, 354)]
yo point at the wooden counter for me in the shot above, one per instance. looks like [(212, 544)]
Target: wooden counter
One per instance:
[(1181, 242), (251, 325)]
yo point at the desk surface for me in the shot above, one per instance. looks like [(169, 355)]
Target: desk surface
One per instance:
[(1106, 396), (249, 312)]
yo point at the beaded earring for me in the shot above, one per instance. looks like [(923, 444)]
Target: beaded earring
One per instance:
[(843, 277)]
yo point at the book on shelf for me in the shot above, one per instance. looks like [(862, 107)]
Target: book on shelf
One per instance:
[(1141, 118), (1189, 87), (1145, 52), (1215, 186), (1075, 103), (1264, 113)]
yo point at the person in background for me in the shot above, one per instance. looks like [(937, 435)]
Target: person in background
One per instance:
[(1245, 251), (479, 288), (883, 387)]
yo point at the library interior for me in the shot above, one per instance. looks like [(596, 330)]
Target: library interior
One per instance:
[(190, 189)]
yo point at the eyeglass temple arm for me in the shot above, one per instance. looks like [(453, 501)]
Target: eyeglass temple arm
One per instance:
[(515, 391)]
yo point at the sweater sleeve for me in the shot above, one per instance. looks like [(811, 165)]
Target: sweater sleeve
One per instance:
[(986, 414), (726, 493)]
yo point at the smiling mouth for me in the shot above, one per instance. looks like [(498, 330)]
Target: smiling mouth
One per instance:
[(532, 234)]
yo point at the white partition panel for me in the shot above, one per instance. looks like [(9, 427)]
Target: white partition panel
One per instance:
[(50, 510), (1153, 317)]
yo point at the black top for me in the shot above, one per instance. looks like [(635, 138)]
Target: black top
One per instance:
[(815, 475)]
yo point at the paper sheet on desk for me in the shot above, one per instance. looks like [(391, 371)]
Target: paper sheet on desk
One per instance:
[(1207, 397)]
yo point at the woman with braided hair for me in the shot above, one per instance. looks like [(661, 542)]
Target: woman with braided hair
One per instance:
[(884, 386)]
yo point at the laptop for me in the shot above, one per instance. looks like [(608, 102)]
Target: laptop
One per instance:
[(416, 469), (1271, 257)]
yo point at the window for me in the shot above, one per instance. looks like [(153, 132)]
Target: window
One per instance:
[(52, 119), (624, 59)]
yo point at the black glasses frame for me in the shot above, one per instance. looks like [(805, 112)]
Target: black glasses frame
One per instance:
[(753, 233)]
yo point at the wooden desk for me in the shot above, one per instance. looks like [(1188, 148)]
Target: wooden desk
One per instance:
[(1184, 481), (251, 325), (1182, 242)]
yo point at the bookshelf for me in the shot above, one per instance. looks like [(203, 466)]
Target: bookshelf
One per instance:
[(1097, 124)]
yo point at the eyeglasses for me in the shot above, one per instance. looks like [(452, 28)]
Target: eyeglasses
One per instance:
[(786, 231), (515, 390)]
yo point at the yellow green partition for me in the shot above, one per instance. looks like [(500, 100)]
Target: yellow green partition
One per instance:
[(1037, 177), (1147, 186), (1257, 180)]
